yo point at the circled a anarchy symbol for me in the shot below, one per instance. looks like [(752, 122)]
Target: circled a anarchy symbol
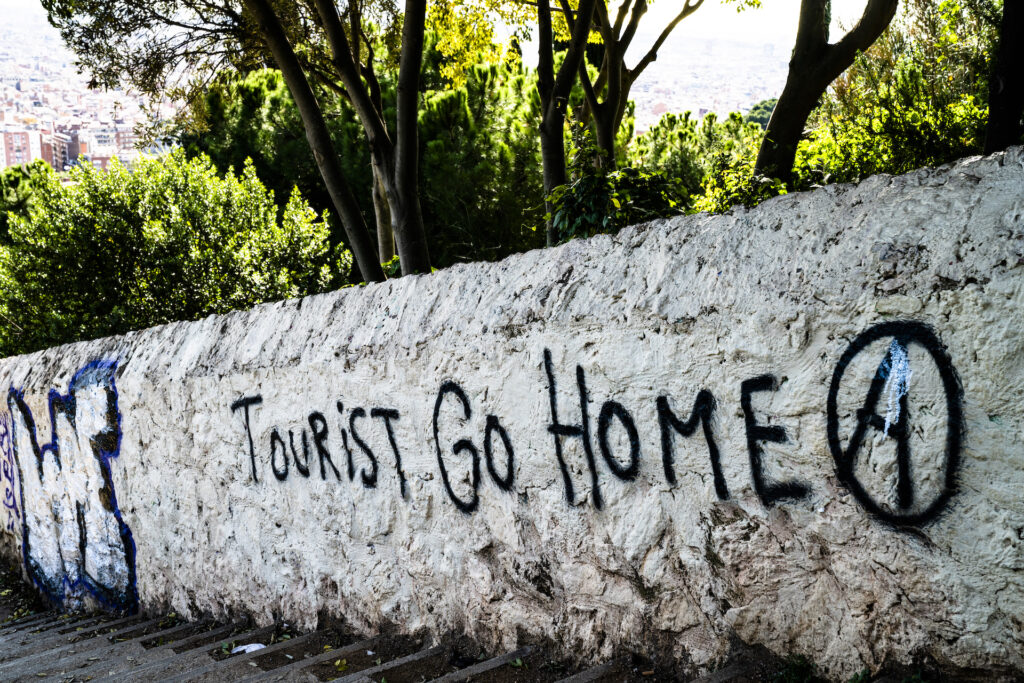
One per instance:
[(904, 334)]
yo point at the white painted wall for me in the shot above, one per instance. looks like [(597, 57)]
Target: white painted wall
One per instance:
[(763, 310)]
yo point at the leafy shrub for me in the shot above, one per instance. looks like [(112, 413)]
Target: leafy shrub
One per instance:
[(917, 97), (730, 183), (18, 185), (761, 112), (686, 149), (172, 240), (480, 169), (598, 201)]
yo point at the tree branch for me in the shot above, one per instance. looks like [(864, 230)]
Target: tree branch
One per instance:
[(588, 88), (652, 54), (634, 21), (620, 16), (812, 29), (577, 47), (359, 95), (876, 18)]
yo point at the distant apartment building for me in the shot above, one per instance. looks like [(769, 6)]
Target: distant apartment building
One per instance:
[(57, 151), (67, 145), (20, 146)]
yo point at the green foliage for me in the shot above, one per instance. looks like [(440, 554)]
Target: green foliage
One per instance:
[(917, 98), (597, 201), (761, 112), (731, 184), (481, 177), (18, 186), (172, 240), (712, 160), (253, 117), (480, 170), (681, 147)]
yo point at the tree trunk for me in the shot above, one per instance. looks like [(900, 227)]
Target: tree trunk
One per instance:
[(406, 214), (1006, 85), (319, 138), (552, 153), (814, 65), (554, 96), (605, 129), (396, 164), (385, 233), (604, 117), (777, 154)]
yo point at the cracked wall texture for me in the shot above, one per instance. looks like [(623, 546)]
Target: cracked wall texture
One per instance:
[(645, 321)]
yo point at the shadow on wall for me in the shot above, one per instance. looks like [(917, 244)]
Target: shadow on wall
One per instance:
[(75, 546)]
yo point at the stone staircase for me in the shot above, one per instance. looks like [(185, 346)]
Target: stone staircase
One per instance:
[(61, 647)]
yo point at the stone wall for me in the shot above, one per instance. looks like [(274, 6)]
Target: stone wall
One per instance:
[(800, 424)]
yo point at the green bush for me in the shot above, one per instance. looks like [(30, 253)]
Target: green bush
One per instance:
[(252, 118), (734, 183), (917, 97), (481, 177), (171, 240), (598, 201), (18, 186), (761, 112), (711, 160), (480, 171)]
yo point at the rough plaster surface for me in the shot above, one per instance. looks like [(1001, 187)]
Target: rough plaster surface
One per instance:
[(661, 310)]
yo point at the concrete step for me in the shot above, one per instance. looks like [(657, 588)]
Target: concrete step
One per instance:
[(81, 647), (190, 654), (60, 658), (31, 642), (292, 670), (172, 653), (475, 671)]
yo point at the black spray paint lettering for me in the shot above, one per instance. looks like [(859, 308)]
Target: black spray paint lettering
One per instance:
[(344, 442), (301, 465), (369, 479), (768, 491), (277, 443), (493, 428), (903, 335), (387, 415), (613, 409), (245, 403), (609, 410), (301, 444), (703, 411), (559, 431), (625, 465), (460, 446), (318, 425)]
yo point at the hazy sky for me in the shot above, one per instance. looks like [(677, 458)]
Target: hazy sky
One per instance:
[(20, 7)]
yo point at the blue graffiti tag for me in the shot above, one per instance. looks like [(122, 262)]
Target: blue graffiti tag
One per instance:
[(8, 470), (74, 542)]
